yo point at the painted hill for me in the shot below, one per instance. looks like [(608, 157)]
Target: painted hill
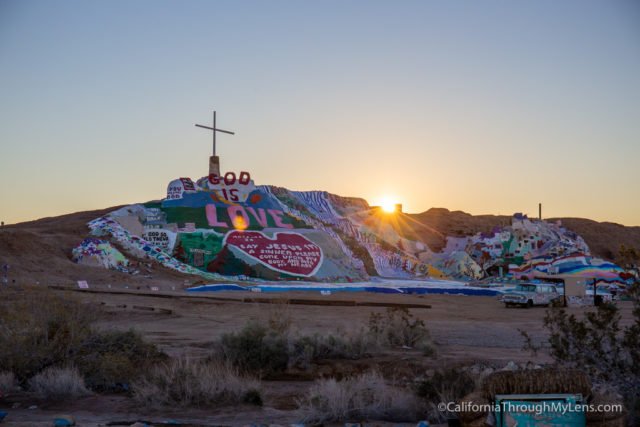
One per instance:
[(216, 229), (225, 226), (41, 251), (603, 238)]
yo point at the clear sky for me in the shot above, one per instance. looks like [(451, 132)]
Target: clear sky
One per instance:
[(481, 106)]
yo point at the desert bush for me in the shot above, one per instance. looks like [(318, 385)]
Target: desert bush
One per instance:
[(598, 345), (8, 383), (111, 360), (397, 327), (307, 349), (40, 330), (186, 382), (366, 396), (256, 349), (55, 383), (445, 385), (270, 347)]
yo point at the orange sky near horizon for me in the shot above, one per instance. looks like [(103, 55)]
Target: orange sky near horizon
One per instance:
[(485, 107)]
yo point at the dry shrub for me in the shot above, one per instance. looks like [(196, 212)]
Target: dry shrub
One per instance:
[(270, 348), (598, 344), (256, 350), (307, 349), (445, 385), (58, 384), (366, 396), (397, 327), (8, 383), (41, 329), (536, 381), (111, 360), (470, 402), (186, 382)]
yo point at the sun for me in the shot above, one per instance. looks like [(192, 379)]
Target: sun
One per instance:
[(388, 205)]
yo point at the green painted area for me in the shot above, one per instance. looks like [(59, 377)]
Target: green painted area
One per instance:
[(181, 216), (506, 246), (198, 216), (285, 197), (153, 204), (197, 249), (228, 264)]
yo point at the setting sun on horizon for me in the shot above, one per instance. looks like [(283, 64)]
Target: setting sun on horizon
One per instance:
[(388, 204)]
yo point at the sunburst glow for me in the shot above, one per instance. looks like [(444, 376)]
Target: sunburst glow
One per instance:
[(388, 205)]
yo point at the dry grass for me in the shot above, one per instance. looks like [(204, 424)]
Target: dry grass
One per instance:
[(58, 384), (279, 318), (186, 382), (366, 396), (536, 381)]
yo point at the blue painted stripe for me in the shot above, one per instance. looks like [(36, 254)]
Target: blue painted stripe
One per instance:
[(375, 289)]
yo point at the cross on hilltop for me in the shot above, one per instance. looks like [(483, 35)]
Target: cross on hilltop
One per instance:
[(214, 161), (215, 129)]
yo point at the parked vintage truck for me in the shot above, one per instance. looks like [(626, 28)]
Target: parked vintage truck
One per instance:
[(530, 294)]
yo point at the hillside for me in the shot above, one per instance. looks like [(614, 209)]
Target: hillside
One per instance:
[(434, 225), (40, 251), (604, 238), (353, 238)]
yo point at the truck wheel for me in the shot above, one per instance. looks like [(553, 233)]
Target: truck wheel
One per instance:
[(529, 304)]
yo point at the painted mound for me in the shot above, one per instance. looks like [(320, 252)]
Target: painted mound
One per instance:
[(226, 226)]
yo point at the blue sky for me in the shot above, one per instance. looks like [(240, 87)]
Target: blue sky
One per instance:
[(482, 106)]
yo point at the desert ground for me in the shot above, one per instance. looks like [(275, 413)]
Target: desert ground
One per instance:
[(466, 330)]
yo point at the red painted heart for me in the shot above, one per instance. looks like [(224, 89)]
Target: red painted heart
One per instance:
[(289, 253)]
